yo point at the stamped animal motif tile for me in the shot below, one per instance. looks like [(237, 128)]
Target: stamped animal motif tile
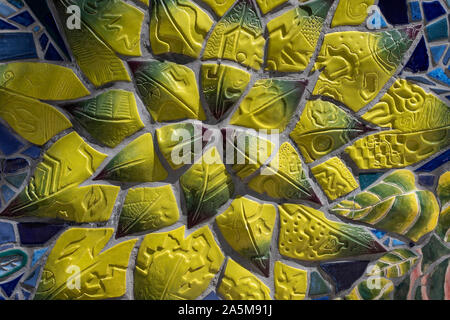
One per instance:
[(239, 284), (290, 283), (247, 226), (172, 267), (443, 192), (220, 6), (268, 5), (306, 234), (351, 12)]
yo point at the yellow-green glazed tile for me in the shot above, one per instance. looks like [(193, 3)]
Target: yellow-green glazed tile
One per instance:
[(290, 283), (137, 162), (206, 187), (335, 178), (372, 289), (394, 264), (168, 90), (94, 57), (148, 209), (222, 87), (146, 2), (284, 177), (171, 267), (178, 26), (395, 205), (409, 108), (247, 226), (41, 81), (356, 65), (396, 149), (78, 267), (293, 36), (181, 140), (443, 192), (324, 127), (351, 12), (240, 284), (307, 235), (220, 6), (238, 36), (33, 120), (269, 105), (268, 5)]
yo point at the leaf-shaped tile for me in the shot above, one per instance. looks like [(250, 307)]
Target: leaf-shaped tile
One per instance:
[(12, 261), (372, 289), (284, 177), (220, 6), (268, 5), (147, 209), (238, 36), (307, 235), (247, 226), (110, 117), (269, 105), (293, 36), (137, 162), (206, 187), (168, 90), (94, 57), (335, 178), (324, 127), (171, 267), (33, 120), (178, 26), (290, 283), (240, 284), (394, 264), (351, 12), (356, 65), (78, 256), (41, 81), (443, 192), (222, 86), (395, 205)]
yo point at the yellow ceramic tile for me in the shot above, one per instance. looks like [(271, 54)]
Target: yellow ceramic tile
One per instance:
[(290, 283), (335, 178), (239, 284), (148, 209), (171, 267), (443, 191), (293, 36), (238, 36), (146, 2), (78, 268), (351, 12), (356, 65), (220, 6), (178, 26), (269, 5), (408, 108), (306, 234), (247, 226), (41, 81), (34, 121)]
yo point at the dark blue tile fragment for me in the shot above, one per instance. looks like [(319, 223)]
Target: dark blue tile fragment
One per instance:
[(447, 57), (52, 54), (8, 287), (36, 233), (16, 180), (33, 152), (395, 11), (432, 10), (43, 40), (437, 52), (437, 30), (212, 296), (426, 180), (6, 11), (32, 279), (7, 193), (7, 233), (435, 163), (345, 274), (17, 46), (14, 165), (421, 80), (419, 60), (23, 18), (379, 234), (416, 14), (317, 286), (17, 3), (6, 26), (8, 142)]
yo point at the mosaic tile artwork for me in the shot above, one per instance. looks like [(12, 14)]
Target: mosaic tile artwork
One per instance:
[(224, 150)]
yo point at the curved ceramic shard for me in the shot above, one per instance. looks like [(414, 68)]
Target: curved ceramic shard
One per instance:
[(168, 90), (269, 105), (178, 26), (240, 284), (35, 121), (335, 178), (394, 264), (306, 234), (290, 283), (94, 57), (443, 192), (147, 209), (293, 36), (324, 127), (238, 36), (395, 205), (66, 164), (351, 12), (284, 177), (115, 22), (356, 65), (137, 162), (41, 81), (220, 6), (80, 251), (223, 86), (110, 117), (171, 267), (372, 289), (268, 5), (247, 226), (409, 108), (11, 261), (206, 187)]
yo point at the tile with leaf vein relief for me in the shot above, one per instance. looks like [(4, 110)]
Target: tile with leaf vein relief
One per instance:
[(290, 283), (220, 6), (268, 5), (351, 12), (367, 290), (443, 192)]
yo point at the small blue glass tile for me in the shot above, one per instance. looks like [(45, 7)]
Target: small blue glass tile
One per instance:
[(440, 76), (437, 30), (376, 21), (426, 180), (366, 179), (33, 152), (17, 46), (419, 60), (437, 52), (6, 26), (212, 296), (36, 28), (14, 165), (395, 11), (421, 80), (43, 40), (8, 287), (32, 279), (432, 10), (7, 193), (52, 54), (23, 18), (37, 254), (387, 242), (17, 3), (435, 163), (447, 57), (7, 234), (439, 91), (396, 242), (6, 10), (16, 180), (26, 294), (9, 144), (378, 233), (317, 286), (416, 14)]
